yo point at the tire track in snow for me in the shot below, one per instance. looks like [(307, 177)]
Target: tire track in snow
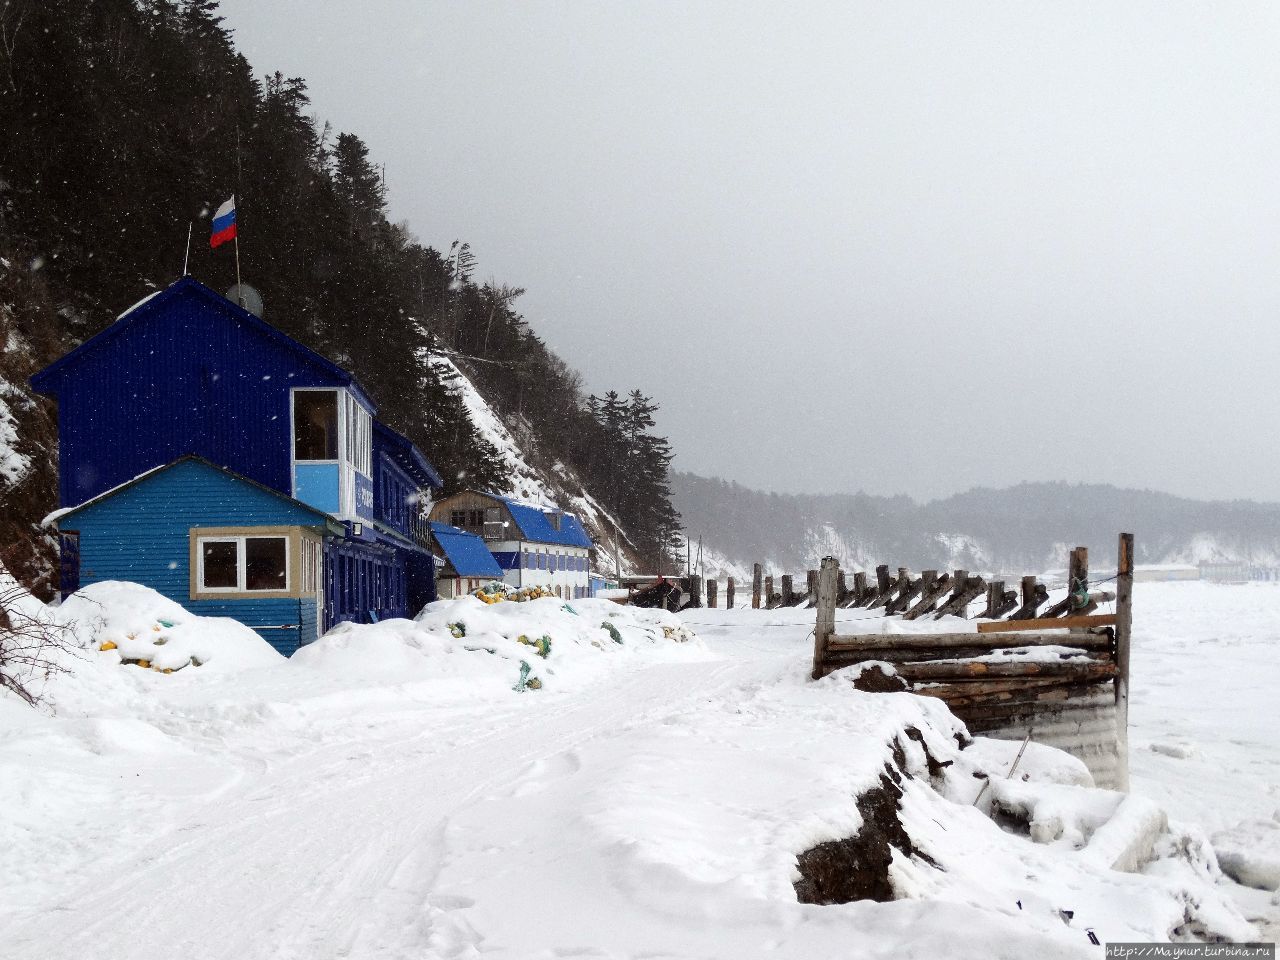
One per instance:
[(335, 855)]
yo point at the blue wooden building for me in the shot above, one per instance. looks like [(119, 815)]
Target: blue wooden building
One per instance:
[(189, 410)]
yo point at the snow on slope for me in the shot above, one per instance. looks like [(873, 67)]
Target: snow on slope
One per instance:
[(390, 795), (526, 482)]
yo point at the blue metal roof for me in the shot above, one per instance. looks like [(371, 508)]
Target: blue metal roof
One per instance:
[(465, 552), (535, 526), (48, 380), (408, 456)]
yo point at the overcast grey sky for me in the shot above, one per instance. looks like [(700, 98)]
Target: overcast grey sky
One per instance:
[(899, 247)]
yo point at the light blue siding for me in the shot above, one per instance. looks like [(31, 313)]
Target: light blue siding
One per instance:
[(317, 485), (142, 534), (267, 618)]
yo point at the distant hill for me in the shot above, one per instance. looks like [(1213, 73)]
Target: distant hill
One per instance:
[(1024, 528)]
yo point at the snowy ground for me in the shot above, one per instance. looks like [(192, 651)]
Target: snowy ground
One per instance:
[(387, 793)]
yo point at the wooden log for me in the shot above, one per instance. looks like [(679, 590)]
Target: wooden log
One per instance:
[(884, 584), (757, 575), (969, 688), (711, 593), (858, 595), (892, 586), (1078, 577), (989, 640), (826, 614), (1034, 593), (1049, 623), (844, 656), (1032, 708), (958, 605), (977, 669), (985, 612), (1049, 693), (1124, 625), (695, 592), (728, 594), (811, 581), (929, 598), (788, 595), (906, 594), (1006, 601), (842, 588), (768, 593)]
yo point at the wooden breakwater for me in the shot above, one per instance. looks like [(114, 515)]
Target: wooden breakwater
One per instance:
[(1060, 677)]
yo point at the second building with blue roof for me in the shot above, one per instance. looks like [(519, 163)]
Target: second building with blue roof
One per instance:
[(535, 546)]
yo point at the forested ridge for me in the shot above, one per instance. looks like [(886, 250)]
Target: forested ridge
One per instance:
[(1027, 527), (124, 121)]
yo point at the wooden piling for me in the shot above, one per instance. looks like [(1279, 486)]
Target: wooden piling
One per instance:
[(788, 595), (1124, 624), (860, 589), (768, 592), (825, 602), (842, 588), (695, 592), (728, 594), (711, 593), (757, 576)]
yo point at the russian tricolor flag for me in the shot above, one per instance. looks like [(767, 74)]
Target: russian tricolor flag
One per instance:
[(224, 224)]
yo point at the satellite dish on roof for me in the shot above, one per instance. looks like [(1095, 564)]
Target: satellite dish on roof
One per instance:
[(247, 297)]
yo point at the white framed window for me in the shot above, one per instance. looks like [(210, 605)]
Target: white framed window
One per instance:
[(310, 566), (242, 564), (359, 451)]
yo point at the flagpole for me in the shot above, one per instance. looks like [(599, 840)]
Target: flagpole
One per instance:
[(235, 199)]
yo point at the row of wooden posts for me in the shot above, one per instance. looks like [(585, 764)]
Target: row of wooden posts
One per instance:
[(948, 594), (999, 678)]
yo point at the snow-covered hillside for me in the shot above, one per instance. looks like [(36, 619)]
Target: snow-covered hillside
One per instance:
[(556, 485), (403, 790)]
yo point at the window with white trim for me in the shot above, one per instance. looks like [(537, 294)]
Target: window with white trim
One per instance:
[(243, 564), (359, 437)]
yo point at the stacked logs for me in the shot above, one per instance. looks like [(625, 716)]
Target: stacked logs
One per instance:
[(989, 680)]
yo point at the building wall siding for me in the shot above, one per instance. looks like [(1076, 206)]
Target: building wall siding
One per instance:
[(142, 534), (187, 377)]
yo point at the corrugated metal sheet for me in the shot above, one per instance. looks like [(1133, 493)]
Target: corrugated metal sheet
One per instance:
[(466, 552), (535, 526), (1084, 727)]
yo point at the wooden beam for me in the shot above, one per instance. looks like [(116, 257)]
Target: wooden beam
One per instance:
[(768, 593), (826, 613), (1049, 623), (1124, 625), (983, 669), (942, 641), (757, 574), (845, 656), (711, 593), (929, 598), (958, 605), (788, 595), (728, 594)]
